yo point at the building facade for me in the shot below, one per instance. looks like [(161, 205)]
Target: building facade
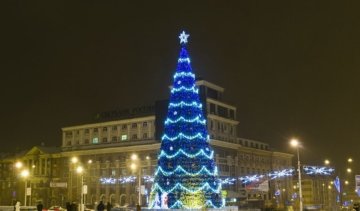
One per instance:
[(105, 150)]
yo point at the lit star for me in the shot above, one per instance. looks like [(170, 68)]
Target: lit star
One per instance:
[(183, 37)]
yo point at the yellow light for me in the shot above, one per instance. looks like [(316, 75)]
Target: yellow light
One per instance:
[(327, 162), (147, 157), (294, 142), (134, 156), (79, 169), (350, 160), (346, 182), (133, 166), (89, 161), (33, 166), (348, 170), (18, 164), (74, 160), (25, 173)]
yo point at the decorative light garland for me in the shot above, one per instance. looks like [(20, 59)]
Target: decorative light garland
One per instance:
[(184, 74), (182, 119), (182, 103), (181, 135), (318, 170), (181, 60), (183, 88), (180, 151), (281, 173), (183, 188), (202, 171)]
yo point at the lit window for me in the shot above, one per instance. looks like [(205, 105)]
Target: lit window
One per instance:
[(123, 137), (95, 140)]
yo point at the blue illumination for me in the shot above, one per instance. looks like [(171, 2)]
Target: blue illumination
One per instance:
[(186, 168)]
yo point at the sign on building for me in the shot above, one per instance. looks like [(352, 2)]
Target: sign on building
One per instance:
[(261, 185), (357, 184), (58, 184)]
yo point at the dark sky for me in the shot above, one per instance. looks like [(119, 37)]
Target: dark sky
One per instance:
[(291, 68)]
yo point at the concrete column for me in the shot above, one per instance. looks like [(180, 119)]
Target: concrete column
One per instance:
[(117, 186)]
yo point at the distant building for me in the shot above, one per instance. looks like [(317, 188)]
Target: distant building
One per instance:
[(104, 149)]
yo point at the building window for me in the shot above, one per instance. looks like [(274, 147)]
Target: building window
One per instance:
[(104, 140), (95, 130), (232, 114), (134, 136), (104, 129), (123, 137), (68, 143), (145, 136), (114, 128), (114, 139), (86, 141), (124, 127), (212, 108), (145, 124), (95, 140), (86, 131), (133, 125), (113, 172), (211, 125)]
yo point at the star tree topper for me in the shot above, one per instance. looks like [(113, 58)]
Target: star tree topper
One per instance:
[(183, 37)]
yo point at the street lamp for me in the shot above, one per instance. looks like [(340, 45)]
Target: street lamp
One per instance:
[(134, 166), (295, 143), (80, 171), (327, 162), (25, 173), (18, 164)]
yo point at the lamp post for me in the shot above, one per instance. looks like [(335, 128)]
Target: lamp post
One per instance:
[(295, 143), (80, 171), (25, 173), (134, 166), (73, 162)]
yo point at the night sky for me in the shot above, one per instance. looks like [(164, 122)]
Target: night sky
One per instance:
[(291, 68)]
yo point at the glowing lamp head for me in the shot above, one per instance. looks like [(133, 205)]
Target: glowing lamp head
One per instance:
[(350, 160), (134, 156), (90, 161), (18, 164), (294, 143), (133, 166), (79, 169), (327, 162), (74, 160), (349, 170), (25, 173)]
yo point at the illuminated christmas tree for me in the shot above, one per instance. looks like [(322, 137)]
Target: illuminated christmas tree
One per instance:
[(186, 175)]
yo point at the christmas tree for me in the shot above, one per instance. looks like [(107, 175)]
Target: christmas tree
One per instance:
[(186, 175)]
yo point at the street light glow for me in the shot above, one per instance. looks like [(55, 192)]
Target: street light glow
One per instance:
[(25, 173), (90, 161), (133, 166), (79, 169), (134, 156), (327, 162), (348, 170), (74, 160), (18, 164), (294, 142), (350, 160)]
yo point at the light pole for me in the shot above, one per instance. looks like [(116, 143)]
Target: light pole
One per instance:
[(295, 143), (134, 166), (25, 173), (80, 171)]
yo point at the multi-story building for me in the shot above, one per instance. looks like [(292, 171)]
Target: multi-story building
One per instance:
[(105, 148)]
